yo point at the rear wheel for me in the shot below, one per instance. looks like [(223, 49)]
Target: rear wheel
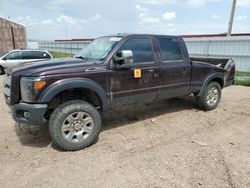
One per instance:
[(210, 96), (1, 70), (74, 125)]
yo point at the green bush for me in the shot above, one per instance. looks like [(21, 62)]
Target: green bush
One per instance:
[(242, 78), (60, 54)]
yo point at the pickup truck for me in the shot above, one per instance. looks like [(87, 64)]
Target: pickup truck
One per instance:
[(110, 73)]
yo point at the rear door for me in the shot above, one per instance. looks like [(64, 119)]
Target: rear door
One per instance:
[(34, 55), (175, 68), (125, 87)]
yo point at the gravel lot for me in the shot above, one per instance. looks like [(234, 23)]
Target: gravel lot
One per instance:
[(169, 144)]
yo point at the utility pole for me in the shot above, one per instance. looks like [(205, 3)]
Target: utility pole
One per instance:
[(230, 25)]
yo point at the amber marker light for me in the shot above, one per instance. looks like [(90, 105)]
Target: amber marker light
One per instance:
[(39, 85)]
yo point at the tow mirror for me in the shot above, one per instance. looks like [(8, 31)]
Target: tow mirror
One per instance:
[(124, 59)]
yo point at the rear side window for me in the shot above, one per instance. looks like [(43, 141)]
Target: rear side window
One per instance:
[(44, 55), (14, 56), (35, 55), (169, 49), (141, 48)]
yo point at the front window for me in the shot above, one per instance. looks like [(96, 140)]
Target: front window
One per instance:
[(99, 48), (141, 48), (14, 56)]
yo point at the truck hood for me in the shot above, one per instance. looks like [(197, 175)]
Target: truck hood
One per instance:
[(54, 66)]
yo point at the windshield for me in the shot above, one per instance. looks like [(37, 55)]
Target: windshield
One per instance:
[(99, 48), (2, 54)]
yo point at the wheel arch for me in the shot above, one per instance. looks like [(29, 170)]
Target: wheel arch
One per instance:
[(66, 84), (1, 67), (216, 77)]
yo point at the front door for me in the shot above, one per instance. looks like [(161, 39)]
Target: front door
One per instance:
[(139, 84), (12, 59)]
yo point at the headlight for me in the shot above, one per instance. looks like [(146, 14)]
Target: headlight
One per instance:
[(30, 87)]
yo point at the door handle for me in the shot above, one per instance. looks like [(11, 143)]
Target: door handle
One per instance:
[(154, 72), (184, 70)]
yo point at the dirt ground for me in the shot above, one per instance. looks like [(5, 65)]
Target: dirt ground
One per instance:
[(168, 144)]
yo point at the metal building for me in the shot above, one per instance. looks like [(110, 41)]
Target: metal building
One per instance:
[(237, 47), (68, 46), (12, 35)]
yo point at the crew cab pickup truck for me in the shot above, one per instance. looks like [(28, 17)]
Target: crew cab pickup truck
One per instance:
[(111, 72)]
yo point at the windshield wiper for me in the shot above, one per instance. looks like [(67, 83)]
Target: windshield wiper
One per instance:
[(81, 57)]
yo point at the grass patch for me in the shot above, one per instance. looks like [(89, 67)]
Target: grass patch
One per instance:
[(60, 54), (242, 82), (239, 73), (242, 78)]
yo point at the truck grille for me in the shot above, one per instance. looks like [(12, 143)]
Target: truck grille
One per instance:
[(7, 87)]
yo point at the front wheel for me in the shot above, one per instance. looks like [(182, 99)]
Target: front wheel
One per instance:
[(74, 125), (209, 97)]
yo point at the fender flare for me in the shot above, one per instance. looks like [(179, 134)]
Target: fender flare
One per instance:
[(61, 85), (211, 77)]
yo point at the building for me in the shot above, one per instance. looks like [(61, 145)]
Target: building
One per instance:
[(12, 35), (236, 46)]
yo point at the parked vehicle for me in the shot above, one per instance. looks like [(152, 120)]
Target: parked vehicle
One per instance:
[(14, 57), (111, 72)]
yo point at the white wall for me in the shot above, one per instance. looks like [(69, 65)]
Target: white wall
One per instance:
[(237, 48)]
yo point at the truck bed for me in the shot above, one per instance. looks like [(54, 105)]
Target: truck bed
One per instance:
[(225, 63)]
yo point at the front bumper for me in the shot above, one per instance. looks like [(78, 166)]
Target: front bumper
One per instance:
[(32, 114)]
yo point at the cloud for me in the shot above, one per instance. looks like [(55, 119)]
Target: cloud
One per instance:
[(145, 17), (215, 16), (243, 3), (26, 20), (67, 19), (96, 17), (169, 15), (148, 19), (47, 22), (239, 18), (141, 9), (187, 3)]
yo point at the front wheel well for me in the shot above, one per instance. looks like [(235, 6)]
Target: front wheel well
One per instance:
[(83, 94), (1, 70)]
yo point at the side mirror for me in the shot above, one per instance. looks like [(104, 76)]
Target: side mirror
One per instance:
[(124, 59), (4, 59)]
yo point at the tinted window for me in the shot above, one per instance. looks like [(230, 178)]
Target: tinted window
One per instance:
[(141, 48), (35, 55), (45, 55), (170, 49), (14, 56)]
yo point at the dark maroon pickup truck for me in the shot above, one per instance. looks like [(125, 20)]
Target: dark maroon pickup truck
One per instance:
[(111, 72)]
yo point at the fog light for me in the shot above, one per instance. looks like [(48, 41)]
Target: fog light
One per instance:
[(26, 115)]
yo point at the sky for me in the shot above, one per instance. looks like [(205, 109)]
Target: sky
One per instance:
[(67, 19)]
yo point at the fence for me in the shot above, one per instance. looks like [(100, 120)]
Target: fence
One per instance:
[(71, 47), (236, 47)]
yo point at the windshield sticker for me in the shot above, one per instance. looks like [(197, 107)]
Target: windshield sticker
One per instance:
[(116, 39)]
